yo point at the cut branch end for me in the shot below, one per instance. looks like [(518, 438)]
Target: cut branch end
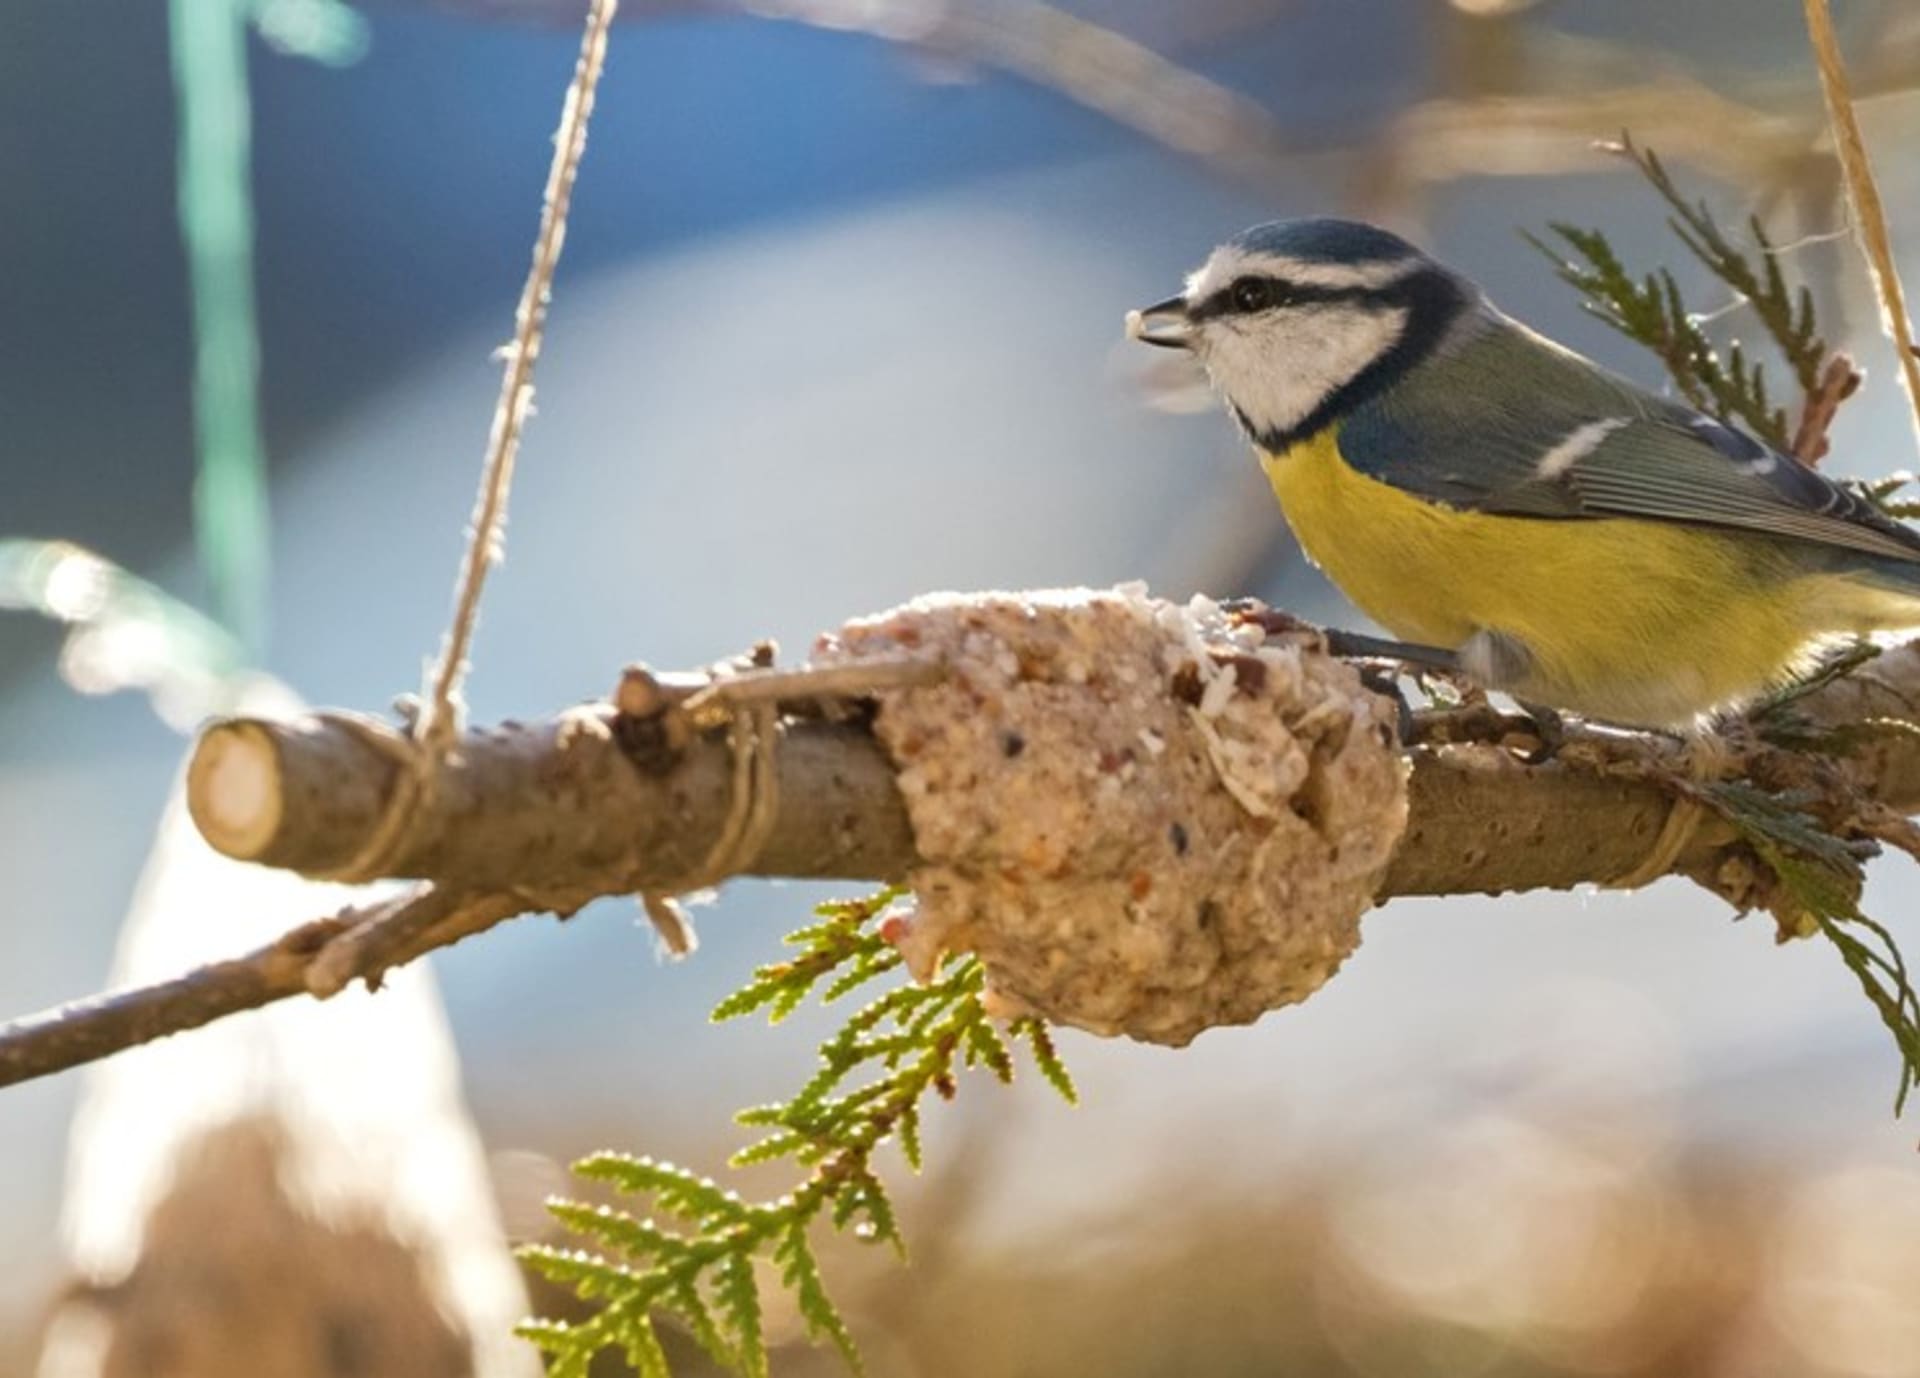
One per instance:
[(234, 788)]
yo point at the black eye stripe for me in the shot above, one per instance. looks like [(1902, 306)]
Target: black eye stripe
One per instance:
[(1284, 293)]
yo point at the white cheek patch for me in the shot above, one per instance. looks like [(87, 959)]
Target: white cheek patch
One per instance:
[(1580, 442), (1279, 367)]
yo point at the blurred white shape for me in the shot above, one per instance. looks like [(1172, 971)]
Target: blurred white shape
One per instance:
[(1170, 382), (77, 1343), (904, 21), (523, 1181), (1506, 1226), (1844, 1270), (360, 1100), (1595, 1059), (1540, 1217), (103, 657), (77, 585), (327, 31)]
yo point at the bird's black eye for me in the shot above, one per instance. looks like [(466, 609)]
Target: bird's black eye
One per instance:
[(1254, 294)]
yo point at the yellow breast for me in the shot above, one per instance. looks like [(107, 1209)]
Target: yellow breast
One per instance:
[(1636, 621)]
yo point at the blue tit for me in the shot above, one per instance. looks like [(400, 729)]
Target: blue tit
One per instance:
[(1577, 541)]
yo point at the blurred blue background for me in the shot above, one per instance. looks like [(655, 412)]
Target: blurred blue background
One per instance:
[(838, 323)]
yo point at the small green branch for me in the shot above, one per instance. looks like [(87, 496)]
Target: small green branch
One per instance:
[(909, 1041), (1650, 309), (1820, 878), (1787, 314)]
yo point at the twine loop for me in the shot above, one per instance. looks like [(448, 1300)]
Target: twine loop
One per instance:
[(416, 780), (1706, 760), (753, 733)]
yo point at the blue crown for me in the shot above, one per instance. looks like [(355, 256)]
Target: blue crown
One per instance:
[(1322, 239)]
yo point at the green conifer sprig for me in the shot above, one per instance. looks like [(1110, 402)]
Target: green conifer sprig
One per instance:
[(1651, 310), (1822, 876), (1880, 492), (1786, 313), (1774, 715), (875, 1072)]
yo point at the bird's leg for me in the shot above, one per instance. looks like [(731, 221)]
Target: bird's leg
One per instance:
[(1383, 681), (1380, 662), (1381, 677), (1346, 645), (1357, 646)]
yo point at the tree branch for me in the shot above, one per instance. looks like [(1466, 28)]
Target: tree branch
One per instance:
[(550, 815), (584, 801), (84, 1031), (592, 800), (1525, 103)]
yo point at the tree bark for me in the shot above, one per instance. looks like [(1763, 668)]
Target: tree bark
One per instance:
[(593, 801)]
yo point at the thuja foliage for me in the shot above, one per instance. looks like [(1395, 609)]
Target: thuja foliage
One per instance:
[(1881, 493), (1819, 875), (694, 1260), (1650, 309)]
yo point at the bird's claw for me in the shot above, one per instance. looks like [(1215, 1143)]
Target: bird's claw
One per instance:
[(1251, 612), (1550, 730)]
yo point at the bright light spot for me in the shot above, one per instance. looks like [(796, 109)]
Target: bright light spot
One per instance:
[(77, 586), (104, 657), (321, 30)]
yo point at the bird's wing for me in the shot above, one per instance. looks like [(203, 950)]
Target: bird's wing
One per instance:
[(1511, 423)]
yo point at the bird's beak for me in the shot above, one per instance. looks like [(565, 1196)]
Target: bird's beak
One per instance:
[(1165, 324)]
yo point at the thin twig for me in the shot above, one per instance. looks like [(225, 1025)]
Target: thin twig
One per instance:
[(793, 683), (336, 964), (436, 726), (372, 946), (1838, 381), (1108, 72), (1869, 215), (87, 1030)]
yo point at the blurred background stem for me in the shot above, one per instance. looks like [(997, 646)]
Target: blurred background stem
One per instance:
[(209, 45)]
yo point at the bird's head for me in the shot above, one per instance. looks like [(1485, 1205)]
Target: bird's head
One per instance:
[(1299, 321)]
